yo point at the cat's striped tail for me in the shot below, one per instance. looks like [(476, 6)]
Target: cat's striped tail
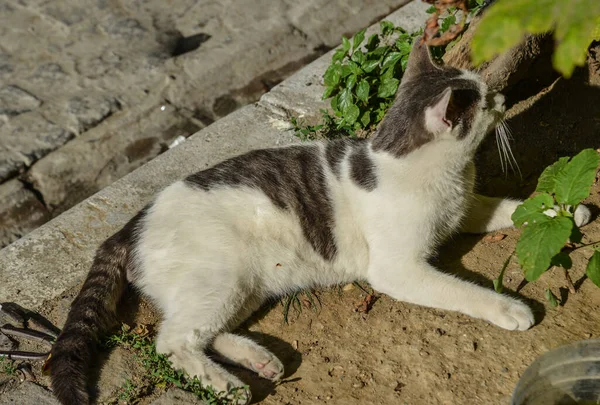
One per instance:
[(92, 313)]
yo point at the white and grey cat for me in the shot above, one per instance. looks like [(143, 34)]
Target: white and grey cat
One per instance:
[(209, 250)]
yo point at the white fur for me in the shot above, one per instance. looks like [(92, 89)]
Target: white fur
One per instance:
[(209, 259)]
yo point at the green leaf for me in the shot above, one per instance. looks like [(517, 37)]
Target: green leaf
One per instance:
[(345, 99), (369, 65), (365, 120), (499, 282), (358, 57), (404, 63), (431, 10), (354, 68), (351, 114), (573, 34), (447, 22), (346, 70), (372, 42), (386, 28), (345, 44), (379, 52), (574, 181), (387, 75), (593, 268), (380, 112), (362, 90), (504, 24), (540, 242), (551, 298), (358, 39), (351, 81), (547, 179), (574, 22), (388, 88), (333, 75), (338, 55), (532, 210), (404, 47), (334, 104), (327, 93), (391, 59), (562, 259)]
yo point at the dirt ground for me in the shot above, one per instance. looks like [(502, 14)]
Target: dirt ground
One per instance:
[(399, 353)]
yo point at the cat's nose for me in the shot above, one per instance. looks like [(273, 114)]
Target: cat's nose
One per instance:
[(496, 102)]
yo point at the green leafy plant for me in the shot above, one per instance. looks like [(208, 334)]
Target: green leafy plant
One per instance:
[(363, 76), (576, 23), (160, 373), (365, 73), (549, 230)]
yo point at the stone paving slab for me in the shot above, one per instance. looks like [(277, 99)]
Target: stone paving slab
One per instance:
[(28, 393)]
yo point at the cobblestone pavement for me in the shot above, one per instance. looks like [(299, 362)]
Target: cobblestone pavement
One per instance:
[(91, 90)]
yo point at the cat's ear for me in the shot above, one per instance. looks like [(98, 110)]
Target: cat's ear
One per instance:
[(436, 115), (419, 60)]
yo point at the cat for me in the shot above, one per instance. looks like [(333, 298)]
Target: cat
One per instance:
[(209, 250)]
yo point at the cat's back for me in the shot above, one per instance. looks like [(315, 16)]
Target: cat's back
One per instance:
[(264, 208)]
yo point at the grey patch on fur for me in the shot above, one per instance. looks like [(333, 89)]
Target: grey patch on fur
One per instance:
[(293, 178), (403, 128), (362, 168), (336, 150)]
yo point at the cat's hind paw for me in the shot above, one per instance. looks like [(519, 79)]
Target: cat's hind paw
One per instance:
[(270, 369), (582, 215), (512, 314)]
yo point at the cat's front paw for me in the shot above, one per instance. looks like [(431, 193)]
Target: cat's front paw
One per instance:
[(582, 215), (512, 314)]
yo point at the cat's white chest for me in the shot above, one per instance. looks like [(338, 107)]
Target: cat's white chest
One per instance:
[(417, 205)]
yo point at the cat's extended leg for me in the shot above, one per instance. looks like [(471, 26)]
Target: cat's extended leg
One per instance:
[(419, 283), (487, 214), (243, 351)]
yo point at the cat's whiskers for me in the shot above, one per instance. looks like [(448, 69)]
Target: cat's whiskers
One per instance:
[(503, 138)]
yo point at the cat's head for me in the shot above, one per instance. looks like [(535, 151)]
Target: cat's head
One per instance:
[(437, 103)]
